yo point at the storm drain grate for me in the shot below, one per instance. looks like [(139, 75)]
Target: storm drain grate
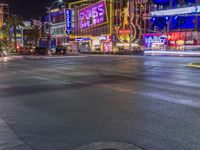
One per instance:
[(109, 146)]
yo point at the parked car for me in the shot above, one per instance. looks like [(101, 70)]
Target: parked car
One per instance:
[(25, 51), (41, 51), (60, 50), (3, 53)]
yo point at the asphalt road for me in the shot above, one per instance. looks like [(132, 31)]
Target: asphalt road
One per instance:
[(62, 104)]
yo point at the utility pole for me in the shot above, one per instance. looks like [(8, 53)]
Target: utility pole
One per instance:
[(130, 20), (49, 32), (167, 47)]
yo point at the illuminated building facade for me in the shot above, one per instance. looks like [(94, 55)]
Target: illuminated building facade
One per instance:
[(57, 26), (20, 33), (4, 14), (106, 25), (23, 33), (175, 24)]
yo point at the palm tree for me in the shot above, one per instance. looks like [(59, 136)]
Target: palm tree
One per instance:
[(15, 22), (3, 32), (5, 35), (33, 35)]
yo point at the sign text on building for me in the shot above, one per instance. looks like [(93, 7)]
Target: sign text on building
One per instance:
[(93, 15), (68, 21)]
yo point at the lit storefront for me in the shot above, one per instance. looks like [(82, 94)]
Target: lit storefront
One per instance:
[(105, 25), (58, 26), (178, 21), (90, 26), (184, 40), (83, 44)]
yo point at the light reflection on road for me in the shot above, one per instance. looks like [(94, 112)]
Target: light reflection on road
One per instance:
[(9, 58), (4, 59)]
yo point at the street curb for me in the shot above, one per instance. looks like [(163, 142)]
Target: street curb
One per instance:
[(51, 57), (106, 55), (193, 65), (172, 53)]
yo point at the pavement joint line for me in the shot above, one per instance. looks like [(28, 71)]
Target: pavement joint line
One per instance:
[(13, 147), (8, 139)]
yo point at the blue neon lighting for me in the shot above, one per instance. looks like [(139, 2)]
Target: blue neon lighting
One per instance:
[(161, 1), (166, 3), (56, 17), (68, 21), (159, 22), (183, 22)]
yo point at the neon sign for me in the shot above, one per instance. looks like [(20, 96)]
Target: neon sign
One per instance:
[(93, 15), (124, 28), (68, 21), (124, 33), (150, 39)]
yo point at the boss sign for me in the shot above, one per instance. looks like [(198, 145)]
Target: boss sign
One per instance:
[(93, 15)]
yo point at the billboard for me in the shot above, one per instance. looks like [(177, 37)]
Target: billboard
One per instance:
[(154, 39), (93, 15)]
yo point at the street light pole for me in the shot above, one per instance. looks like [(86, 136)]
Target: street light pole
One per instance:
[(49, 36), (130, 20)]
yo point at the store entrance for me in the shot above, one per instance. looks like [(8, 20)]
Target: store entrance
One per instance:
[(84, 47)]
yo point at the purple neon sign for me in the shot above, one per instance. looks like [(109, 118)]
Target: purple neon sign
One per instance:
[(93, 15)]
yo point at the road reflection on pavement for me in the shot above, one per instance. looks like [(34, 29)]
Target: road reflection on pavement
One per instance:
[(6, 59)]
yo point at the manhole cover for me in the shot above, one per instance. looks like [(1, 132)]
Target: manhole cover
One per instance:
[(108, 149), (109, 146)]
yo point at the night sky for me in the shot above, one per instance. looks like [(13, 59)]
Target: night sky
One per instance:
[(28, 8)]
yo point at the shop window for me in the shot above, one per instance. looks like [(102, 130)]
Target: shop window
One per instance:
[(5, 9), (158, 23), (190, 2), (165, 4), (182, 22), (161, 4)]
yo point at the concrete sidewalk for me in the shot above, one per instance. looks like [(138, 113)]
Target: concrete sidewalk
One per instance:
[(8, 139)]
